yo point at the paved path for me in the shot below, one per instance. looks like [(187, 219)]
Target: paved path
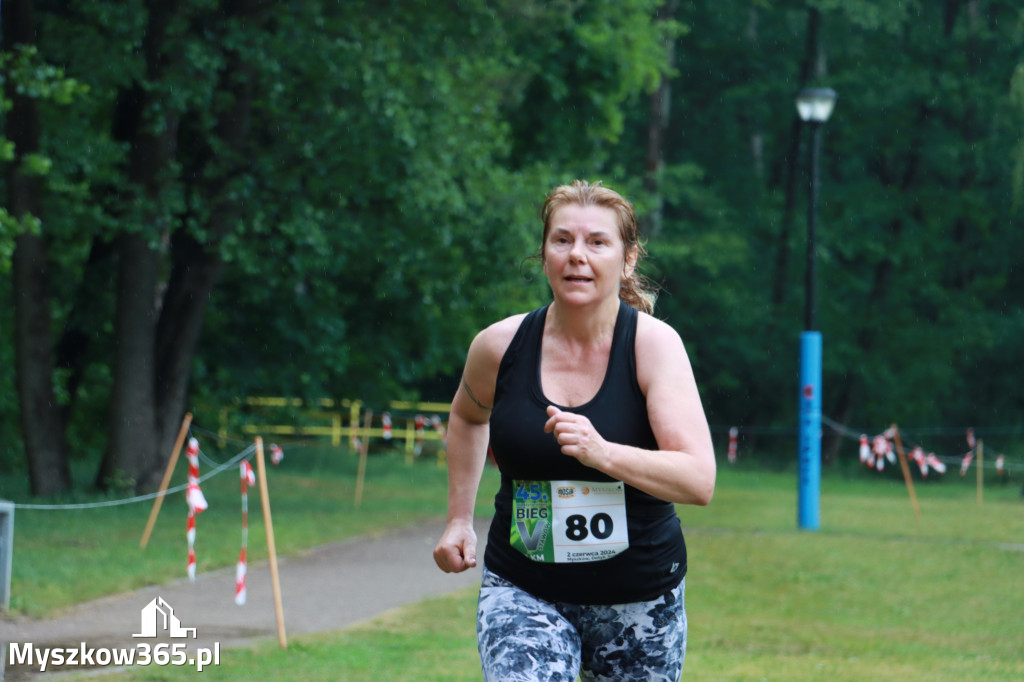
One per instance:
[(328, 588)]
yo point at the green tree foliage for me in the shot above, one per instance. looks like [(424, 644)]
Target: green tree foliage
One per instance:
[(918, 238), (424, 172), (322, 188), (329, 198)]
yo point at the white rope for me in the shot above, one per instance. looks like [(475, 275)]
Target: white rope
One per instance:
[(140, 498), (945, 459), (846, 432)]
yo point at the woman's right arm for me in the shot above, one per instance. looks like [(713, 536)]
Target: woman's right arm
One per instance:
[(467, 441)]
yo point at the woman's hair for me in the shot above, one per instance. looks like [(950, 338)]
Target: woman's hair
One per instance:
[(637, 290)]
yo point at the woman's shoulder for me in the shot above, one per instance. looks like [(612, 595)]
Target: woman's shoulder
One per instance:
[(652, 331), (492, 342), (656, 338), (661, 358), (507, 326)]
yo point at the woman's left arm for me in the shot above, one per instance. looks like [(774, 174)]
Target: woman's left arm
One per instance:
[(682, 469)]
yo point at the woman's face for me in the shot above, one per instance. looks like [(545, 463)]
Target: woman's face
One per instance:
[(584, 255)]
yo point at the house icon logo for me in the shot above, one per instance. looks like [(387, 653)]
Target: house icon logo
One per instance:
[(158, 618)]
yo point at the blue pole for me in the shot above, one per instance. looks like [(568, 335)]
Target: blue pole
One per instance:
[(808, 517)]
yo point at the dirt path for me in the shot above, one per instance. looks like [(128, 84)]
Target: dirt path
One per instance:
[(328, 588)]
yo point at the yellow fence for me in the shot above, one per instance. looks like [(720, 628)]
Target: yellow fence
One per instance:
[(340, 419)]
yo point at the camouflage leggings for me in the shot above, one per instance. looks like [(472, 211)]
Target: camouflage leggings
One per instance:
[(525, 639)]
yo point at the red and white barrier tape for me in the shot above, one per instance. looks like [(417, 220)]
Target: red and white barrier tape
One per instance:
[(196, 504), (248, 477), (965, 463), (881, 450), (871, 449), (926, 462)]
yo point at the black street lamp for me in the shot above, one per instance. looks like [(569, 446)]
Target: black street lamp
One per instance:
[(814, 106)]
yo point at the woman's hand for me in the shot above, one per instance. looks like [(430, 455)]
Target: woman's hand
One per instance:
[(577, 437), (456, 550)]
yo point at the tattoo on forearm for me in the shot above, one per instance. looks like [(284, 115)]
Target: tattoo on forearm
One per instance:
[(472, 397)]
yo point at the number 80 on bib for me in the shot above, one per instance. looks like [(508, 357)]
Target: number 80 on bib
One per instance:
[(569, 521)]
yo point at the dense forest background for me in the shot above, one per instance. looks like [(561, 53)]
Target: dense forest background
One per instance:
[(207, 199)]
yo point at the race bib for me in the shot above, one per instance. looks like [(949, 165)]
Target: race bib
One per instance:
[(569, 521)]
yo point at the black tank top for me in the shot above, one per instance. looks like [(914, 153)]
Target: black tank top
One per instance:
[(655, 561)]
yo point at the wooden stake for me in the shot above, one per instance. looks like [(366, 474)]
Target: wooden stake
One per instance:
[(410, 441), (159, 500), (364, 447), (981, 473), (353, 420), (271, 550), (906, 472)]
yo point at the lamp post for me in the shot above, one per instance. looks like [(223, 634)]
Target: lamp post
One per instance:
[(814, 106)]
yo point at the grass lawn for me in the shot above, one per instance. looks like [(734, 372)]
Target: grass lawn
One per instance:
[(874, 595)]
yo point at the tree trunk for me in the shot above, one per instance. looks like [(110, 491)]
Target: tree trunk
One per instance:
[(660, 108), (752, 35), (42, 422), (132, 446), (81, 331), (811, 62), (171, 332), (197, 266), (194, 275), (132, 454)]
